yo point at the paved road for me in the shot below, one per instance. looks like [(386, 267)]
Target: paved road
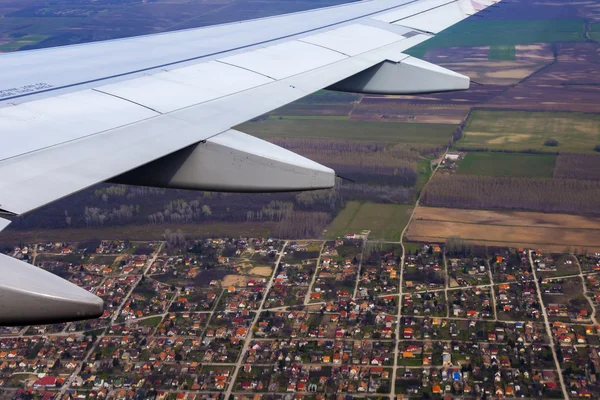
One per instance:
[(358, 272), (586, 293), (493, 292), (77, 370), (548, 330), (248, 339), (314, 277), (399, 316)]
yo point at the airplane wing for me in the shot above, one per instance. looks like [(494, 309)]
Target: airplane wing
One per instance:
[(158, 110)]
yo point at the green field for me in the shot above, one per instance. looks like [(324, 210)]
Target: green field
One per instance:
[(594, 32), (382, 132), (152, 321), (507, 164), (424, 170), (24, 41), (522, 130), (385, 221), (502, 53), (471, 32)]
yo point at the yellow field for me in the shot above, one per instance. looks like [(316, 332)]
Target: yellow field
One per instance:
[(235, 280), (261, 271), (554, 232)]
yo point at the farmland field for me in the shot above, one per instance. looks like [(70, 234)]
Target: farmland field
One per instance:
[(24, 41), (381, 132), (522, 130), (554, 232), (472, 32), (502, 53), (385, 221), (594, 32), (299, 109), (509, 164)]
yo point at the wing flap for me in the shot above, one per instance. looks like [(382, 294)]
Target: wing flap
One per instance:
[(284, 60), (55, 120), (435, 20), (172, 90), (354, 39), (411, 9)]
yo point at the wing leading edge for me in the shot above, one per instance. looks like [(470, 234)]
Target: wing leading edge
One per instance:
[(158, 110)]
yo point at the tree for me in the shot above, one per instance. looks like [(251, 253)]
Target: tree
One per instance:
[(551, 142), (206, 210), (597, 147)]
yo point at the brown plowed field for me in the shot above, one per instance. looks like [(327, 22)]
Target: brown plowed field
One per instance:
[(555, 232)]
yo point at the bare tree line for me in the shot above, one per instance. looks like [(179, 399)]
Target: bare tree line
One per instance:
[(129, 192), (531, 194), (300, 224), (378, 193), (180, 211), (95, 216)]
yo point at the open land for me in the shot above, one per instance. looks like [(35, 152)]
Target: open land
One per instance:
[(522, 130), (384, 221), (509, 164), (554, 232), (381, 132), (472, 33)]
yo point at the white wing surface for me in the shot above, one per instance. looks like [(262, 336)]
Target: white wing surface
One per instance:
[(158, 110)]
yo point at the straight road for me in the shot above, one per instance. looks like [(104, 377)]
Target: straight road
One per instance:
[(248, 338), (548, 329)]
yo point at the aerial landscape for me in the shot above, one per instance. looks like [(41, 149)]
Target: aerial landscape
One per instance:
[(458, 257)]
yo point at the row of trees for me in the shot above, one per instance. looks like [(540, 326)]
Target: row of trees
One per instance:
[(578, 166), (301, 224), (378, 193), (95, 216), (129, 192), (373, 163), (532, 194), (180, 211)]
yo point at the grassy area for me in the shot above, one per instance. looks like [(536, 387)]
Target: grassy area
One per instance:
[(411, 247), (385, 221), (153, 321), (502, 53), (472, 32), (424, 172), (20, 42), (522, 130), (36, 25), (382, 132), (509, 164), (594, 32)]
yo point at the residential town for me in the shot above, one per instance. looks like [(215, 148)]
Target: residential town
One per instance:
[(257, 318)]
